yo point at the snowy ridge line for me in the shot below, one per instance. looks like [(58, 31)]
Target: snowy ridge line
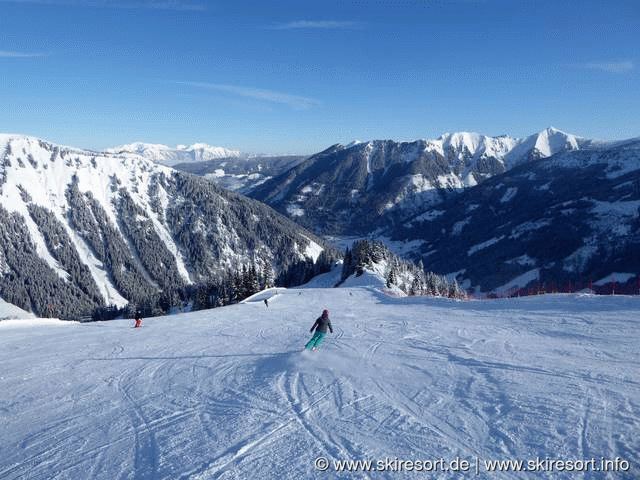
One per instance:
[(546, 142), (171, 156), (390, 182)]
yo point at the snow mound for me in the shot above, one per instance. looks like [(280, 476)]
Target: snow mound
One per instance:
[(33, 322), (374, 281), (264, 294), (367, 279), (325, 280), (9, 311)]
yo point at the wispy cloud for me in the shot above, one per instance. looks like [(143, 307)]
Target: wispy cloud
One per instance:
[(130, 4), (611, 67), (318, 25), (6, 54), (293, 101)]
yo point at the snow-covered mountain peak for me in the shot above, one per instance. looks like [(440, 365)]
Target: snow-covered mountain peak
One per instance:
[(551, 130), (551, 140), (543, 144), (459, 139), (469, 140)]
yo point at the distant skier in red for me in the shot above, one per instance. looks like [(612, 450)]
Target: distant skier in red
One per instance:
[(138, 319), (321, 326)]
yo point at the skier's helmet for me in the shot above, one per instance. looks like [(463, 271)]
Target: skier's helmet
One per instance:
[(325, 313)]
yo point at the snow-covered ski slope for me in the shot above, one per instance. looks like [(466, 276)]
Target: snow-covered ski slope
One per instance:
[(228, 394)]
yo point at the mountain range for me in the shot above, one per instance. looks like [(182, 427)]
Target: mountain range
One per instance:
[(230, 169), (171, 156), (354, 189), (569, 221)]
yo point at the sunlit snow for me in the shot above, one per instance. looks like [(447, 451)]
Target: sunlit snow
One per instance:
[(228, 393)]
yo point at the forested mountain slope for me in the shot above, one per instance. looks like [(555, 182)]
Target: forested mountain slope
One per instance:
[(81, 229)]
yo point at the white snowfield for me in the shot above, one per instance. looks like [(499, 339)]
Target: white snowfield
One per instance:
[(228, 394)]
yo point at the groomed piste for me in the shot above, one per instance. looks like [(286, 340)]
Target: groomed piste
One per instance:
[(228, 393)]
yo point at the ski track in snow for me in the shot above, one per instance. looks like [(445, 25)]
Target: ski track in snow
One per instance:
[(228, 393)]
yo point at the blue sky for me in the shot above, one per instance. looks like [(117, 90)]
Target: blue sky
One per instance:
[(290, 77)]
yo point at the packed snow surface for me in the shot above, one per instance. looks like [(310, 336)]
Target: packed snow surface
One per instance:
[(228, 393)]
